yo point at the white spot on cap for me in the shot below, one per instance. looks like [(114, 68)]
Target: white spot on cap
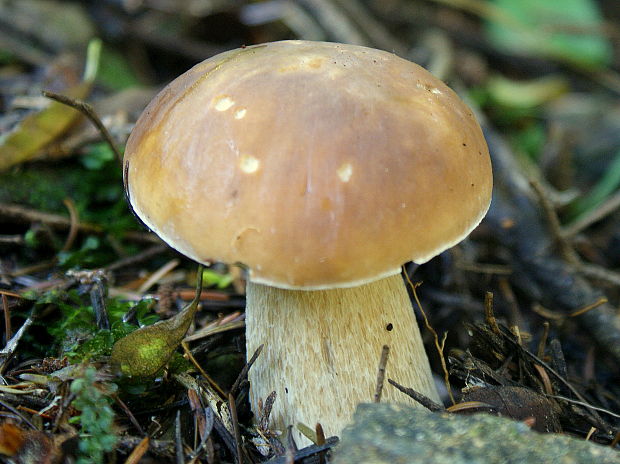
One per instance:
[(240, 114), (223, 102), (435, 91), (345, 172), (249, 164)]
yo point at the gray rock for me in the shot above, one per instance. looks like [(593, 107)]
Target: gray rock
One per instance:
[(395, 434)]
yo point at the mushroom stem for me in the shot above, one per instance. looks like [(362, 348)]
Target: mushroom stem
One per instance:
[(322, 350)]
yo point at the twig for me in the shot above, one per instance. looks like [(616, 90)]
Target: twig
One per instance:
[(590, 433), (206, 424), (178, 440), (545, 378), (559, 316), (514, 329), (147, 30), (98, 300), (207, 377), (142, 256), (52, 220), (497, 269), (138, 451), (600, 273), (305, 455), (610, 205), (511, 299), (557, 357), (290, 456), (586, 405), (291, 446), (9, 293), (129, 414), (320, 434), (58, 221), (7, 318), (549, 369), (217, 326), (41, 266), (489, 317), (335, 21), (468, 405), (235, 423), (16, 239), (320, 441), (419, 397), (88, 111), (223, 422), (385, 352), (438, 345), (578, 312), (11, 345), (379, 35), (164, 408), (155, 446), (568, 252), (19, 414), (74, 223), (21, 49), (195, 406), (244, 372), (543, 340), (265, 411), (158, 274)]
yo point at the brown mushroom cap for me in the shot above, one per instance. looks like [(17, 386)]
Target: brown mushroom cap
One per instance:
[(314, 164)]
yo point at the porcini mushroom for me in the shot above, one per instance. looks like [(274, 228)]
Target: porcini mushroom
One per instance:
[(322, 168)]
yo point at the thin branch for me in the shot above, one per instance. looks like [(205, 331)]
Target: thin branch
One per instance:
[(578, 312), (53, 220), (244, 372), (438, 345), (207, 377), (142, 256), (586, 405), (74, 224), (178, 440), (235, 423), (568, 252), (129, 414), (7, 318), (385, 352), (605, 209), (543, 340), (489, 316), (419, 397), (88, 111)]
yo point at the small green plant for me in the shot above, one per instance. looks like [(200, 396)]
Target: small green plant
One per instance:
[(96, 419), (75, 332), (216, 279)]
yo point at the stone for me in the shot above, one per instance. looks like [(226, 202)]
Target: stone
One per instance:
[(395, 434)]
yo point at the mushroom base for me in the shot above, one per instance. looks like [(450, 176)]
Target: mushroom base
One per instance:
[(322, 348)]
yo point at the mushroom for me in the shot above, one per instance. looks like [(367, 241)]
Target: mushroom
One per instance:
[(322, 168)]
